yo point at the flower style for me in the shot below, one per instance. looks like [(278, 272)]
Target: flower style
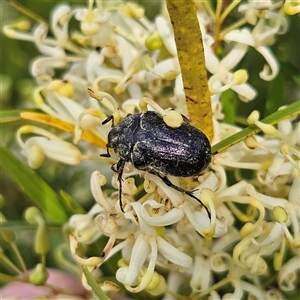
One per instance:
[(116, 64)]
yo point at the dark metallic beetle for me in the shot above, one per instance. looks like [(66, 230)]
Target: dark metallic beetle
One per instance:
[(150, 145)]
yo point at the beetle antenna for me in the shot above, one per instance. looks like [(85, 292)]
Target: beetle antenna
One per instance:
[(112, 118), (191, 195)]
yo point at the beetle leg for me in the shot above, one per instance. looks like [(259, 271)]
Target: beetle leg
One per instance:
[(106, 154), (179, 189), (118, 168)]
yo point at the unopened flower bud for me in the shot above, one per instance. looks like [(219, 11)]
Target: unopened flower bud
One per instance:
[(39, 276), (239, 77), (253, 117), (154, 41), (8, 236), (154, 282), (280, 214), (133, 10), (33, 215), (251, 142), (35, 155), (173, 119), (57, 149), (290, 9), (41, 243), (63, 88), (246, 229)]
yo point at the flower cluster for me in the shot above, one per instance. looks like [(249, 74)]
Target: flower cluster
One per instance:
[(166, 239)]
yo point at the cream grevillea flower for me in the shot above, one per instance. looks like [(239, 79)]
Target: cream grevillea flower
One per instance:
[(139, 229), (142, 240)]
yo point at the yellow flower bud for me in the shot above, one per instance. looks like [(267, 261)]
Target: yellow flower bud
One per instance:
[(239, 77), (254, 116), (280, 214), (39, 276), (173, 119), (154, 41)]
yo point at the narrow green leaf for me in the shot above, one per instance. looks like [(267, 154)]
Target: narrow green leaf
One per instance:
[(288, 112), (43, 196), (94, 284), (71, 204)]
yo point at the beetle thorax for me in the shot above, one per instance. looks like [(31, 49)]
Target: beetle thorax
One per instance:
[(122, 136)]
